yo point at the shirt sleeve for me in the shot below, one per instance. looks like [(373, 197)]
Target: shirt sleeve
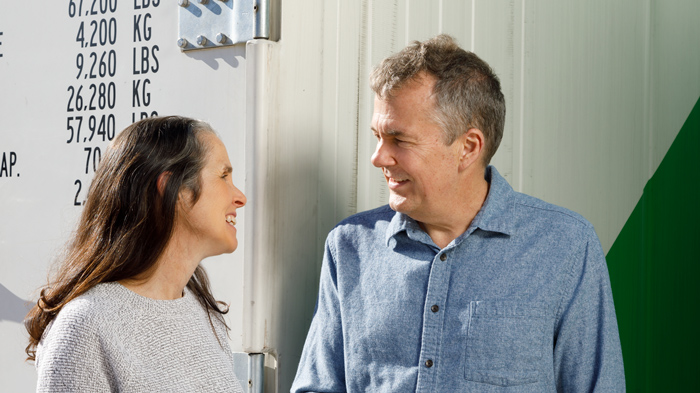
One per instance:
[(322, 364), (587, 352), (69, 357)]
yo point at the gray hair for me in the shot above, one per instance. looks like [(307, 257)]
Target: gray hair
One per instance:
[(468, 92)]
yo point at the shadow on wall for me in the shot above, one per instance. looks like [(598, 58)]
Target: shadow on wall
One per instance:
[(12, 308)]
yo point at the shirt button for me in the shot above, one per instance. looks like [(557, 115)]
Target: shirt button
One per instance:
[(434, 308), (443, 257), (428, 363)]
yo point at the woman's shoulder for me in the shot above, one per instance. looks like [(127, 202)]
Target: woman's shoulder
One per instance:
[(71, 351), (87, 311), (95, 301)]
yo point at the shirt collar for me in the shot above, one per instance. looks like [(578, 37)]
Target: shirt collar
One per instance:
[(495, 214)]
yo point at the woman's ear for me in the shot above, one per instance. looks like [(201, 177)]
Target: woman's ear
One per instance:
[(162, 182)]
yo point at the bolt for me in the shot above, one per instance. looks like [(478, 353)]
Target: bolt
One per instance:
[(221, 38), (201, 40), (183, 3), (182, 43)]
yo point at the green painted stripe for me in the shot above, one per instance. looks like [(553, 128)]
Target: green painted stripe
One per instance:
[(654, 268)]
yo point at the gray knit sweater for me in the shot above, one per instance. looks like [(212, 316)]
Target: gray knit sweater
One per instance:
[(112, 339)]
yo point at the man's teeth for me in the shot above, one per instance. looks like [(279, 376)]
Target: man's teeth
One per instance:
[(395, 179), (231, 220)]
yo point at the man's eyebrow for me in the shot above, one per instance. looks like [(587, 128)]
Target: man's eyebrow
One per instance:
[(389, 132)]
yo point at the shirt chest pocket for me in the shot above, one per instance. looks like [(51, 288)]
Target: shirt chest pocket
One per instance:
[(505, 342)]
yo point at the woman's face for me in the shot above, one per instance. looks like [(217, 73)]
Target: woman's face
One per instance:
[(212, 219)]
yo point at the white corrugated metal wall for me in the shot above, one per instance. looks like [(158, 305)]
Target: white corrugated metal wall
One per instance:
[(596, 92)]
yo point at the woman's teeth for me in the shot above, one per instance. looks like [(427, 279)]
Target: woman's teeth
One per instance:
[(231, 220)]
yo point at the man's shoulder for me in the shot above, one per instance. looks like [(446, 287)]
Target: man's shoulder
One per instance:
[(532, 209), (516, 210), (368, 219), (363, 227)]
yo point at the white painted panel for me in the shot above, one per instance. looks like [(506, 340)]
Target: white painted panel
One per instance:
[(38, 64), (339, 112), (422, 19), (595, 91), (496, 31), (584, 108), (457, 20)]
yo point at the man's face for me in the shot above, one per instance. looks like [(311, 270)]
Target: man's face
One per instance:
[(419, 168)]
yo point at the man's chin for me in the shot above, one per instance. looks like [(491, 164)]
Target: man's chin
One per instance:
[(398, 204)]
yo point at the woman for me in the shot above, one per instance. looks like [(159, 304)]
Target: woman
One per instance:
[(130, 308)]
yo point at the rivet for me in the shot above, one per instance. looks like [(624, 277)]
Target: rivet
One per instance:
[(202, 1), (182, 43), (201, 40), (183, 3), (221, 38)]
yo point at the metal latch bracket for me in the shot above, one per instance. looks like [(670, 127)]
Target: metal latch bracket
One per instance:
[(206, 24)]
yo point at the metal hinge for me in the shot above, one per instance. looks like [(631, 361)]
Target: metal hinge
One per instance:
[(250, 371), (205, 24)]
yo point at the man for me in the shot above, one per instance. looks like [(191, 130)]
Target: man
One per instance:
[(460, 284)]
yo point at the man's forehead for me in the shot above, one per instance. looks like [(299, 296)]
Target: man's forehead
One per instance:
[(416, 81), (414, 93), (383, 115)]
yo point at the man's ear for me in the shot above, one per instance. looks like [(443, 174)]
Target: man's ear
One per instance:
[(472, 145), (162, 182)]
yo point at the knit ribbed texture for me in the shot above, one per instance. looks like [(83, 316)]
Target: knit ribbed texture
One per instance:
[(112, 339)]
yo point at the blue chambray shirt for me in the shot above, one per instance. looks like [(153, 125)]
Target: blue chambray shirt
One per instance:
[(520, 302)]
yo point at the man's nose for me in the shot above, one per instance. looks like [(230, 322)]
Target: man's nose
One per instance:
[(382, 155)]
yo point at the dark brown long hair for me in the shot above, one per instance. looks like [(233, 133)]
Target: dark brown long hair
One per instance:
[(127, 223)]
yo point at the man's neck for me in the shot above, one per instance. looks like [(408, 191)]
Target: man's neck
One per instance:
[(456, 221)]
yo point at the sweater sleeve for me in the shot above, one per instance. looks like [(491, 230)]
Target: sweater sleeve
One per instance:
[(70, 357)]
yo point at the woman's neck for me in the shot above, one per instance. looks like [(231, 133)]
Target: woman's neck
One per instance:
[(170, 274)]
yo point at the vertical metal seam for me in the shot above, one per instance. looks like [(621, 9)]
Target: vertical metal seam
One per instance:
[(336, 103), (473, 32), (648, 91), (406, 24), (521, 131)]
